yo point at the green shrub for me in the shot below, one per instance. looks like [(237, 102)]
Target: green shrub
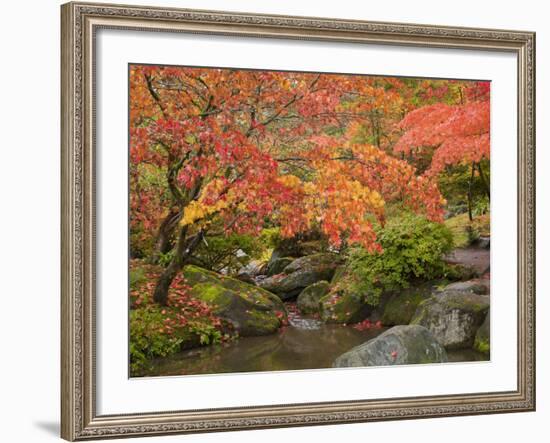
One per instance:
[(413, 248)]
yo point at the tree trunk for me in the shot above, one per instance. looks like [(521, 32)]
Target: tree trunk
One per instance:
[(470, 184), (164, 242), (185, 248)]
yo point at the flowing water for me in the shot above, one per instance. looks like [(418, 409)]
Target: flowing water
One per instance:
[(306, 343)]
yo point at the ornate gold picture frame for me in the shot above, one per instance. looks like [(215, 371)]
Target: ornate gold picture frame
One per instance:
[(80, 23)]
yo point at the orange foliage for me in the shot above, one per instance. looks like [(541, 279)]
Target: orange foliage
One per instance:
[(216, 135)]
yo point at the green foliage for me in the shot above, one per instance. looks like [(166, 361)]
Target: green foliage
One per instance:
[(148, 338), (454, 185), (165, 258), (228, 253), (413, 248), (481, 206), (270, 237), (136, 277), (207, 333)]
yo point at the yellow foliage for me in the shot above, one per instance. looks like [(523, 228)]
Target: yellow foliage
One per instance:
[(197, 211), (290, 180)]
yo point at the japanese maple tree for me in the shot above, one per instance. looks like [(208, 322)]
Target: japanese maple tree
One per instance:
[(459, 133), (227, 150)]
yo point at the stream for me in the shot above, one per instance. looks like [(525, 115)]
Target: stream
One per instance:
[(306, 343)]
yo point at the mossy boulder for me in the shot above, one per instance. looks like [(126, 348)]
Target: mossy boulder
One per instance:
[(301, 273), (400, 345), (482, 342), (309, 298), (249, 309), (278, 265), (344, 308), (400, 307), (453, 317)]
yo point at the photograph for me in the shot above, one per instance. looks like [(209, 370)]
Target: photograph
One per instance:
[(287, 220)]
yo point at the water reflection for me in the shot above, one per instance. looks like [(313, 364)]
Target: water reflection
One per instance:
[(306, 343)]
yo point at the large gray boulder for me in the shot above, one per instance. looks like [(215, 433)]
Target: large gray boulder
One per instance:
[(301, 273), (308, 300), (400, 345), (251, 311), (453, 317)]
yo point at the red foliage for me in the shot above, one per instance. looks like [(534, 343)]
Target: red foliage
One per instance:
[(367, 324), (461, 133)]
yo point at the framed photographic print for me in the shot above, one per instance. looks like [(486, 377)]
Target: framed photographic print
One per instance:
[(281, 221)]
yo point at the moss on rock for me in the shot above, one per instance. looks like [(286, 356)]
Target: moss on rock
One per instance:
[(261, 322), (215, 296), (249, 309)]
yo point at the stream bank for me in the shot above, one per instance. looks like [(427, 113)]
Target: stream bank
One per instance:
[(306, 343)]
